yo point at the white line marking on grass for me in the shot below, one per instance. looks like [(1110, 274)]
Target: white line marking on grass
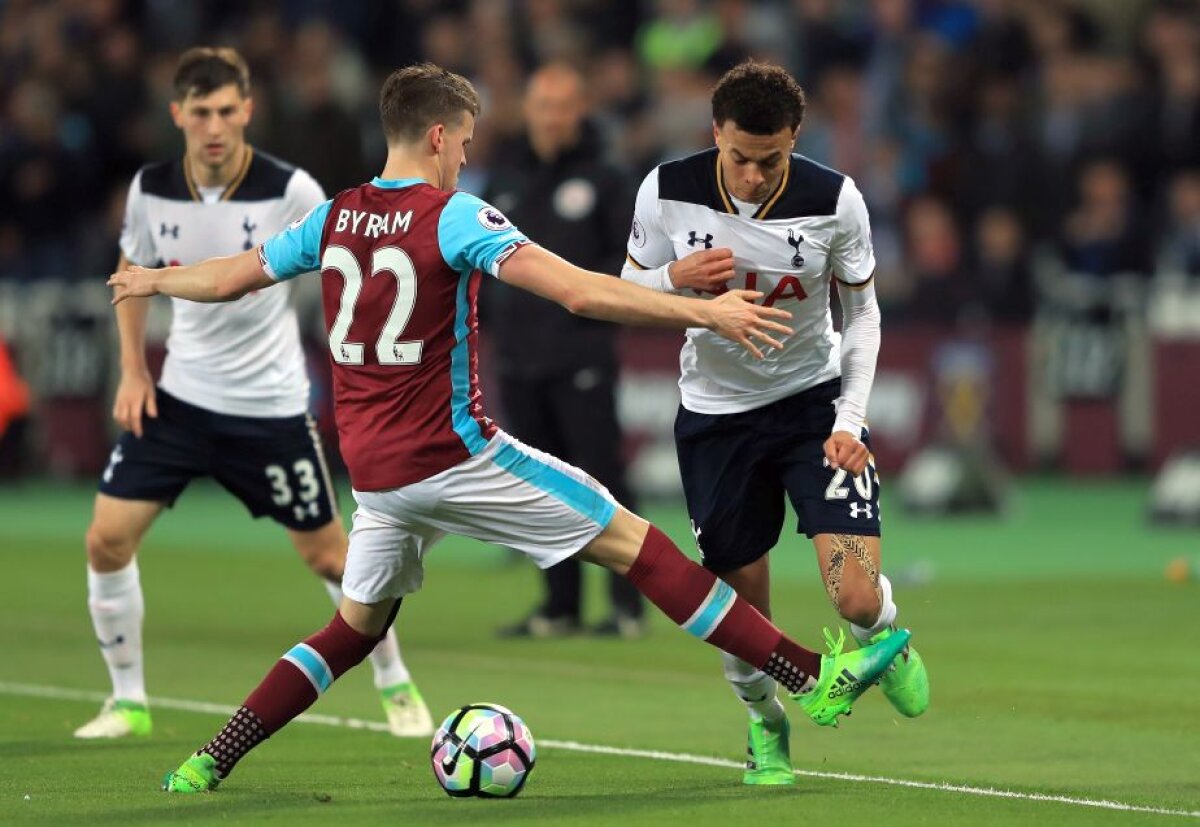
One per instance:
[(59, 693)]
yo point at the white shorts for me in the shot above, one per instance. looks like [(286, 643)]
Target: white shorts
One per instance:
[(508, 494)]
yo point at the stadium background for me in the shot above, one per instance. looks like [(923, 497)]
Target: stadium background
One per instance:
[(1032, 168)]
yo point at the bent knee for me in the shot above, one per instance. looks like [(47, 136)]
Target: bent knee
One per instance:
[(860, 606), (619, 544), (329, 564), (109, 549)]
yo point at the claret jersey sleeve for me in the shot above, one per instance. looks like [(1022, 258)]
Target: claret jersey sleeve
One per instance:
[(474, 235), (297, 249), (851, 253), (302, 195)]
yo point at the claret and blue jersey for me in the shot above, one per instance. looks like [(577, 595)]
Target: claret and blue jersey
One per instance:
[(400, 262)]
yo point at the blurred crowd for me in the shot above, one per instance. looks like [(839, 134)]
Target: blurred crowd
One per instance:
[(989, 136)]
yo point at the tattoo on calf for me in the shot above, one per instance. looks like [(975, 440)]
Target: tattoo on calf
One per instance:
[(856, 547), (833, 575)]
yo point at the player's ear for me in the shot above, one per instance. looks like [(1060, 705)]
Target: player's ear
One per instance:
[(248, 108), (716, 133), (437, 137), (177, 114)]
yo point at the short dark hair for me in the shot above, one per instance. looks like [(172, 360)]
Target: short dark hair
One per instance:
[(761, 98), (417, 97), (205, 69)]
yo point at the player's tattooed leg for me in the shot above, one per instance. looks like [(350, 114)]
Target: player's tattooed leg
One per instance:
[(850, 545), (833, 574)]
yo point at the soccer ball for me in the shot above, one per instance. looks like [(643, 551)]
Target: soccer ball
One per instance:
[(483, 750)]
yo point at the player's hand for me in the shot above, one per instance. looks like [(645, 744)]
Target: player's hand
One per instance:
[(844, 450), (132, 282), (705, 270), (737, 318), (135, 395)]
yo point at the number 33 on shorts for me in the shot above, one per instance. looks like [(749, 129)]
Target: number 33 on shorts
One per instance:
[(302, 496), (865, 486)]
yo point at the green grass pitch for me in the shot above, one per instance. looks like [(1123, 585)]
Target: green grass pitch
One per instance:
[(1062, 663)]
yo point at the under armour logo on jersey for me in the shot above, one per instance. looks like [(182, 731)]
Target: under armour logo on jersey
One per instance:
[(861, 509), (115, 457), (693, 240), (796, 240), (248, 228), (171, 230)]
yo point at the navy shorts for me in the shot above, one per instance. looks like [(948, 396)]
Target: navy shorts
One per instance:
[(274, 465), (737, 469)]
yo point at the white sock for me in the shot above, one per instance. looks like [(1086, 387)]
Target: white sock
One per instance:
[(385, 658), (755, 688), (887, 614), (115, 602)]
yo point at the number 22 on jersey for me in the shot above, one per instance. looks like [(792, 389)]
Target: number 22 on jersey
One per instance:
[(389, 350)]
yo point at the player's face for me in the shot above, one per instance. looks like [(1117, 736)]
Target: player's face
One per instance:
[(214, 125), (752, 164), (452, 156)]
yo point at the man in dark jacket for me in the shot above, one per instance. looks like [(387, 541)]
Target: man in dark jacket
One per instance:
[(558, 372)]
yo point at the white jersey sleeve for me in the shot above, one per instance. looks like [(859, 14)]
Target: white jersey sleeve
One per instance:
[(137, 237), (851, 254), (852, 259), (297, 248), (649, 252), (303, 193), (859, 352)]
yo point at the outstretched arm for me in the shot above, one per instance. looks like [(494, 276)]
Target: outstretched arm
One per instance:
[(221, 279), (598, 296), (474, 235)]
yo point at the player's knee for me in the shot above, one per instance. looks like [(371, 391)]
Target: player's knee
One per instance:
[(108, 549), (858, 605), (328, 564), (618, 546)]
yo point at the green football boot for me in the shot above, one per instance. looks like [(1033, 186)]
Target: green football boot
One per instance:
[(407, 714), (117, 719), (905, 683), (768, 755), (846, 675), (198, 774)]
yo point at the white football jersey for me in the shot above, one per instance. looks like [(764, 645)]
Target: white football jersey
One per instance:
[(814, 226), (242, 358)]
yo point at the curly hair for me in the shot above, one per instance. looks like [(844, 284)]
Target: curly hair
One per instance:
[(761, 98)]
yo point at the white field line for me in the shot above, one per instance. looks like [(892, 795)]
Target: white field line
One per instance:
[(60, 693)]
